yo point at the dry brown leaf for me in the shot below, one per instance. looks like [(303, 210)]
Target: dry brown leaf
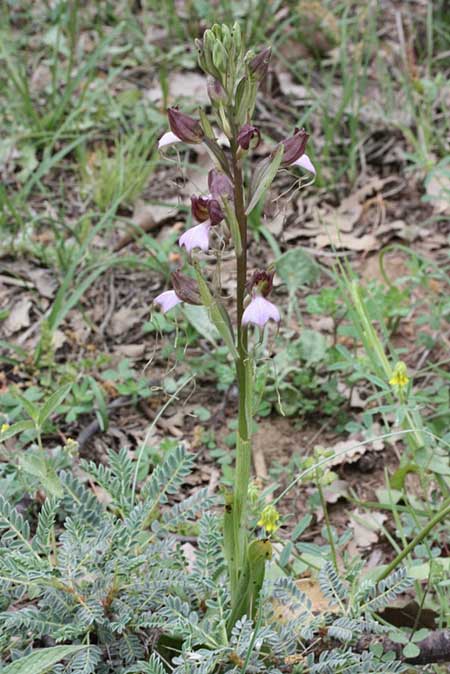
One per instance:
[(438, 189), (145, 213), (130, 350), (296, 92), (311, 588), (59, 338), (365, 243), (189, 84), (124, 319), (366, 527), (186, 84), (320, 603), (44, 281), (351, 450), (19, 317), (336, 490), (40, 78)]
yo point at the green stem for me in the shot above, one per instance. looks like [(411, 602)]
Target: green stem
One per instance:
[(243, 444), (443, 512)]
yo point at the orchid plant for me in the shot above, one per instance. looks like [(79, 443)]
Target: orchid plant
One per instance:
[(233, 77)]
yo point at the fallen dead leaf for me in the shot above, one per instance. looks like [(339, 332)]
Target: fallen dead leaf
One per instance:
[(366, 527), (312, 589), (297, 92), (59, 338), (19, 317), (336, 490), (44, 281), (367, 242), (437, 187), (351, 450), (124, 319), (131, 350), (145, 213)]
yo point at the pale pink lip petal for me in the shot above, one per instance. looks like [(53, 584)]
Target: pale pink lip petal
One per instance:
[(305, 162), (167, 300), (196, 237), (168, 139), (260, 311)]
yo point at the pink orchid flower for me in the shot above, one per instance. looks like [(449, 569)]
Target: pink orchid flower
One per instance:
[(305, 162), (196, 237), (167, 300), (260, 311)]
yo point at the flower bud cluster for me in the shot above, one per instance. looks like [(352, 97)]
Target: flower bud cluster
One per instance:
[(233, 77)]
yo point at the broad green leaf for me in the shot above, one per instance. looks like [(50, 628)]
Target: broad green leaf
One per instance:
[(13, 430), (39, 466), (40, 661), (31, 409), (422, 571), (199, 318), (411, 651), (296, 268), (312, 346), (53, 402)]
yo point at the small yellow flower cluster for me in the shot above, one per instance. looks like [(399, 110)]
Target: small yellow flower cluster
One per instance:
[(71, 447), (4, 428), (269, 519), (399, 377)]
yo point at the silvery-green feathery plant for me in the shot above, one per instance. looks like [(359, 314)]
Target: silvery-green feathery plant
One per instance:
[(101, 582)]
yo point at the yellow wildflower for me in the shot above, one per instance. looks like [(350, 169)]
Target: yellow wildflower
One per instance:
[(399, 377), (71, 446), (269, 519), (4, 428)]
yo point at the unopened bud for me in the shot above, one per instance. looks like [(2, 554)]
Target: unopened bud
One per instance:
[(220, 185), (200, 208), (294, 147), (215, 212), (259, 65), (186, 128), (249, 137), (262, 281), (216, 92), (185, 287)]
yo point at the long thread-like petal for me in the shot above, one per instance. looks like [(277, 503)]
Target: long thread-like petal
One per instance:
[(260, 311), (305, 162), (196, 237), (169, 138), (167, 300)]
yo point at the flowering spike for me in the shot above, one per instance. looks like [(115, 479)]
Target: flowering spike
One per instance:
[(399, 378), (260, 311), (196, 237), (186, 128), (167, 300), (249, 137), (269, 519)]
